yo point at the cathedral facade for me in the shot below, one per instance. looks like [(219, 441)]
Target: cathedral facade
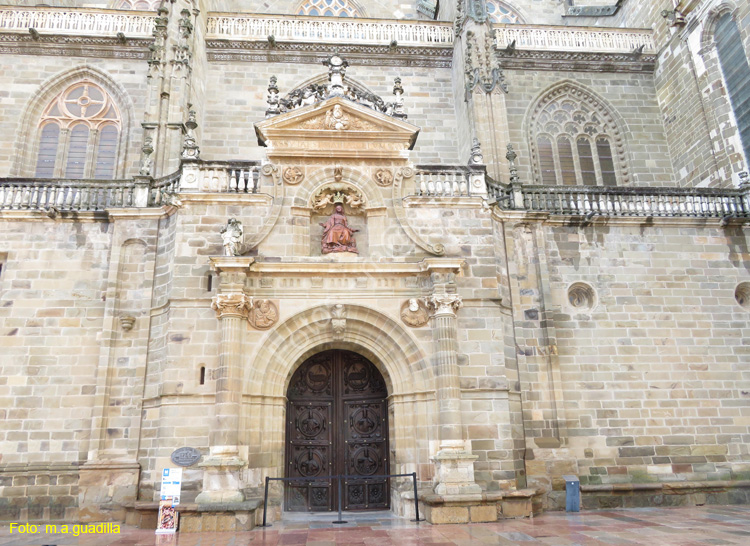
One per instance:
[(464, 250)]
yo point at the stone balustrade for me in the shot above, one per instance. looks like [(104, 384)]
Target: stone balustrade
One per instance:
[(627, 201), (65, 195), (442, 182), (583, 39), (329, 30), (61, 195), (80, 22), (221, 176)]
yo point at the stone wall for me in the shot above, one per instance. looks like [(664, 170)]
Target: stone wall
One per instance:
[(42, 74), (643, 385), (241, 88), (630, 98)]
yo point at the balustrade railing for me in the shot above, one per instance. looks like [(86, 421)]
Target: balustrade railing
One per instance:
[(328, 29), (551, 38), (442, 182), (222, 176), (72, 21), (65, 195), (630, 201), (161, 191)]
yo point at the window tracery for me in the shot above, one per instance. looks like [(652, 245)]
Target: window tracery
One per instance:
[(143, 5), (329, 8), (500, 12), (575, 140), (79, 134)]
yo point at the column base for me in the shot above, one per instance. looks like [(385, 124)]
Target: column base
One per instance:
[(454, 473), (221, 480)]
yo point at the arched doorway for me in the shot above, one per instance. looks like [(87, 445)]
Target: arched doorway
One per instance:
[(337, 424)]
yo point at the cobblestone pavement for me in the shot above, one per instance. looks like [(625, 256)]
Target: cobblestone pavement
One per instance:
[(711, 525)]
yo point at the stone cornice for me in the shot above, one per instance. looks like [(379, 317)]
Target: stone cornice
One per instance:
[(640, 221), (577, 61), (316, 266), (75, 46), (316, 53)]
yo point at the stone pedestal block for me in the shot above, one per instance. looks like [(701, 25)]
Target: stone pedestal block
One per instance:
[(454, 473), (221, 481)]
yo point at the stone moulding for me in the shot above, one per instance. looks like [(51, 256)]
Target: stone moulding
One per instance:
[(317, 52)]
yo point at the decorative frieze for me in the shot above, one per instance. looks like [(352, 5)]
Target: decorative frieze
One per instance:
[(76, 21), (328, 30), (574, 39)]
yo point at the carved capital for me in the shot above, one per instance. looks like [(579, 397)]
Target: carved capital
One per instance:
[(232, 305), (445, 304)]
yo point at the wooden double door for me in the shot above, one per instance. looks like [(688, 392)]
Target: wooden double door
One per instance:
[(337, 424)]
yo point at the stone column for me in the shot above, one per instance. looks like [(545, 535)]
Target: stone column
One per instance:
[(221, 469), (454, 465)]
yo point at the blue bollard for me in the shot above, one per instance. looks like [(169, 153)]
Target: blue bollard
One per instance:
[(572, 494)]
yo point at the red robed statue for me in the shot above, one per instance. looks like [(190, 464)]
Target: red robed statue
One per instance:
[(337, 235)]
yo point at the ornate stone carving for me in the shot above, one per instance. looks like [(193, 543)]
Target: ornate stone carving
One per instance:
[(272, 98), (232, 305), (263, 315), (231, 237), (383, 177), (337, 119), (337, 235), (476, 153), (414, 313), (293, 175), (581, 296), (190, 149), (482, 67), (325, 199), (445, 304), (336, 72), (338, 320), (127, 322), (146, 161), (396, 108)]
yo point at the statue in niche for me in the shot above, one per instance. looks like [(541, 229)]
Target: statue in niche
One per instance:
[(231, 237), (337, 235)]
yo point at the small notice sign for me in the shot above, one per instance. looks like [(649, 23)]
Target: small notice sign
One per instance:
[(171, 486)]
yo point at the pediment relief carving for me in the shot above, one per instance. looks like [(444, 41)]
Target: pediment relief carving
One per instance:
[(336, 127)]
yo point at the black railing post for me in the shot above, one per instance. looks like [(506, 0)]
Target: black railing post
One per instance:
[(416, 497), (265, 502), (339, 521)]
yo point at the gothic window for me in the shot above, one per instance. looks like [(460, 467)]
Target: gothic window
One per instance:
[(573, 140), (329, 8), (736, 70), (79, 134), (501, 13), (143, 5)]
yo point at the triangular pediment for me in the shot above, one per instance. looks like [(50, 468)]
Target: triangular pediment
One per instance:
[(335, 125)]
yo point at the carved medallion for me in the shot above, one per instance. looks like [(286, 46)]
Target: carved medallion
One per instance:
[(414, 313), (383, 177), (293, 175), (263, 315)]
